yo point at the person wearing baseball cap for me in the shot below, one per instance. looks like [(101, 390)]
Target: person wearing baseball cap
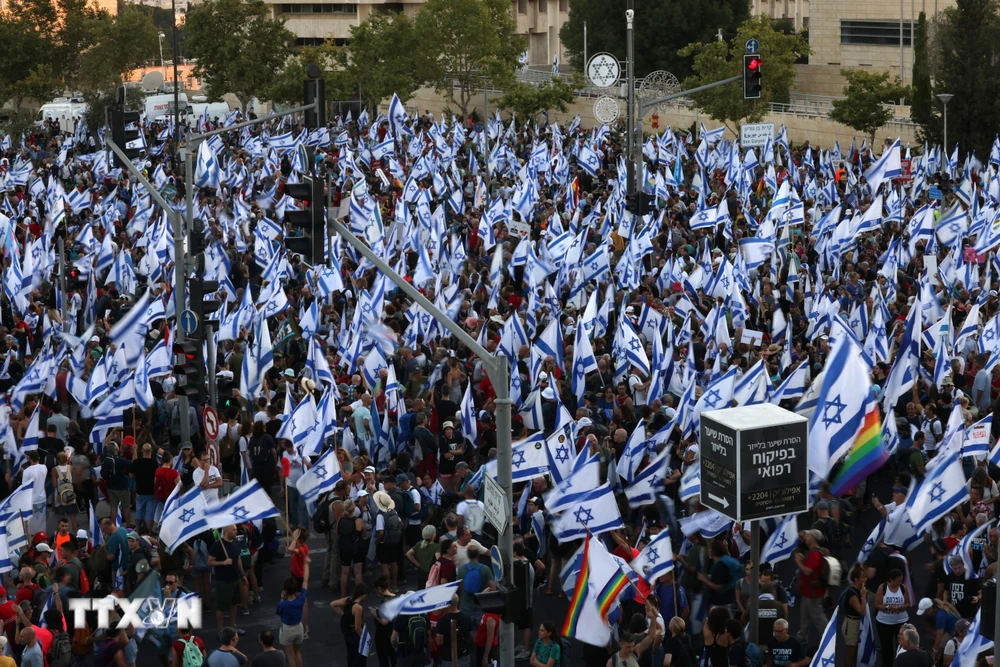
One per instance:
[(810, 564)]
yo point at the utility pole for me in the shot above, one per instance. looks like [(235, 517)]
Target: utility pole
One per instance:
[(630, 100), (62, 284), (177, 94)]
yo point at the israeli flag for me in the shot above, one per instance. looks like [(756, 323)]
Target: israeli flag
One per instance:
[(207, 173), (183, 517), (319, 479), (973, 644), (782, 542), (942, 491), (656, 559), (690, 482), (249, 503), (826, 655), (977, 438), (595, 513), (365, 644), (419, 602)]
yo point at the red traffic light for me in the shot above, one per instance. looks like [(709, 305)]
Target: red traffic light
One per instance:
[(181, 349), (754, 63)]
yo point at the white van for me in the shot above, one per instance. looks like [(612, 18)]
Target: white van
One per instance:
[(158, 106), (218, 110), (64, 109)]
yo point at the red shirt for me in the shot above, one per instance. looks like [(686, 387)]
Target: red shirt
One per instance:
[(164, 478), (25, 593), (299, 560), (811, 588)]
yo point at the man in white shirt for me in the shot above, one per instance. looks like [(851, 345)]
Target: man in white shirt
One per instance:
[(208, 478), (464, 542), (471, 512), (982, 386), (36, 473)]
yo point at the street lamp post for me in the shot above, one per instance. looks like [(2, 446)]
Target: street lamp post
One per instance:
[(163, 65), (945, 98)]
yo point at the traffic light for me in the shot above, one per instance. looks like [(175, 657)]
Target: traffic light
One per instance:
[(196, 238), (751, 76), (202, 307), (315, 90), (189, 369), (640, 204), (496, 602), (122, 135), (309, 218)]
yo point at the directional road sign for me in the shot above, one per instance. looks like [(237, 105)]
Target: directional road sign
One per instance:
[(211, 420), (753, 46), (497, 562), (189, 321), (497, 508)]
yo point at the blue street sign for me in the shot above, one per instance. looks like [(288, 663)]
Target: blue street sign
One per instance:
[(189, 321), (935, 193), (497, 563), (752, 45), (479, 127)]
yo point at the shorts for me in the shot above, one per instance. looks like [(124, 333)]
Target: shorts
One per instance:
[(525, 620), (851, 627), (387, 553), (291, 634), (227, 594), (66, 510), (122, 497)]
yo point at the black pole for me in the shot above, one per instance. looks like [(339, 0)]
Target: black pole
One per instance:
[(177, 129)]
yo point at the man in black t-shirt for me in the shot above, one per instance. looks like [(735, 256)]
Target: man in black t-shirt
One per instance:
[(783, 650), (464, 631), (224, 558), (962, 592), (737, 647)]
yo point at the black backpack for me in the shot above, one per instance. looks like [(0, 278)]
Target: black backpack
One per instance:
[(259, 451), (321, 519), (416, 635), (404, 504), (61, 651)]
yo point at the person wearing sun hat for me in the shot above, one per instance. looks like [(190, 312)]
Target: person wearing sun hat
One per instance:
[(389, 530)]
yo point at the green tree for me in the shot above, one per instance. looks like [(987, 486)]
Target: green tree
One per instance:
[(238, 46), (99, 101), (867, 96), (922, 109), (41, 84), (377, 72), (287, 86), (472, 40), (716, 61), (527, 100), (968, 35), (123, 43), (661, 27)]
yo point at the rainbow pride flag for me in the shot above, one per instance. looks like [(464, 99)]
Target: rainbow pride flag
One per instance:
[(866, 456), (611, 592), (579, 594)]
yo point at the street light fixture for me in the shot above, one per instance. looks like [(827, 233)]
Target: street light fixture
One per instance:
[(945, 98), (163, 66)]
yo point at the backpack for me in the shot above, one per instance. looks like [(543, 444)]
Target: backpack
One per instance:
[(259, 451), (321, 518), (564, 651), (416, 634), (191, 657), (753, 656), (84, 580), (472, 582), (61, 651), (393, 528), (175, 420), (475, 517), (227, 446), (108, 469), (688, 652), (65, 491), (434, 576), (734, 568), (829, 575), (404, 503)]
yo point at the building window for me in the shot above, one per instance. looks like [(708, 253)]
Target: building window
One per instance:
[(390, 8), (318, 41), (543, 6), (564, 5), (522, 6), (310, 8), (875, 33)]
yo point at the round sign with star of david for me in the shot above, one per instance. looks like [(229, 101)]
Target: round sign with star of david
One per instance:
[(606, 110), (603, 70)]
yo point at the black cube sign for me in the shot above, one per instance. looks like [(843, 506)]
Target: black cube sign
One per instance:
[(754, 462)]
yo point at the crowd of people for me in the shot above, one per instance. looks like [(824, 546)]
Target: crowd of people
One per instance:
[(750, 272)]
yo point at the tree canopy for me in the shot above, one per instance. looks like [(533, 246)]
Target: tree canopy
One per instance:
[(238, 46), (867, 95), (716, 61), (526, 100), (661, 28)]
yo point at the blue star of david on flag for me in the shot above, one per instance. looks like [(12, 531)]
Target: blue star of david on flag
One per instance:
[(937, 492), (240, 512), (562, 454), (187, 515), (713, 398), (838, 407), (517, 459), (319, 471), (584, 515), (652, 555)]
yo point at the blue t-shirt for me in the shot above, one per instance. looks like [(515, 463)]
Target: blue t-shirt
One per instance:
[(290, 611), (224, 659), (945, 621), (117, 545)]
